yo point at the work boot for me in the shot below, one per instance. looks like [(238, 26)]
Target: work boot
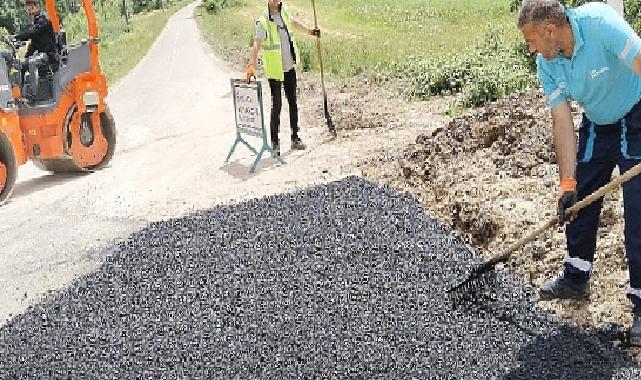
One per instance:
[(635, 331), (298, 144), (276, 148), (562, 287)]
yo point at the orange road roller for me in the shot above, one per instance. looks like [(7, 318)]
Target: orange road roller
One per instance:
[(58, 119)]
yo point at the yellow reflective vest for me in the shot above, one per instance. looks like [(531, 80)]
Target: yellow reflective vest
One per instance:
[(272, 54)]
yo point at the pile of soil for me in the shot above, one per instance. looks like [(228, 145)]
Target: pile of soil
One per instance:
[(491, 174)]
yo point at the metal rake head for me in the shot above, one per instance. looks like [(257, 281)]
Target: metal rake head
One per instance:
[(481, 279)]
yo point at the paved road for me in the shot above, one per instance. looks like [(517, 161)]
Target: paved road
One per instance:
[(338, 281), (174, 117)]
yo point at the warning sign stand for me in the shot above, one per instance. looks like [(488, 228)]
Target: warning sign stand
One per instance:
[(250, 119)]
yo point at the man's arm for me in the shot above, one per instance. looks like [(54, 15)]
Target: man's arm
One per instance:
[(253, 55), (564, 140), (302, 28), (39, 26), (299, 26)]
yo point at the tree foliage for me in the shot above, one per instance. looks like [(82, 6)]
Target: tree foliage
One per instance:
[(13, 17), (215, 6)]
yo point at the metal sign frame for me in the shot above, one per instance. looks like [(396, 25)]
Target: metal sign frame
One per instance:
[(240, 130)]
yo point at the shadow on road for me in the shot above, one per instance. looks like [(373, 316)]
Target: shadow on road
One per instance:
[(44, 182), (239, 168), (570, 353), (549, 349)]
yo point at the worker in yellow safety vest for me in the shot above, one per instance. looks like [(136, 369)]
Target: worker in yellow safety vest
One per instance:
[(280, 55)]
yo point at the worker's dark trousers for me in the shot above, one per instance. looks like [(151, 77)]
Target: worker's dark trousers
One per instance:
[(600, 149), (289, 85)]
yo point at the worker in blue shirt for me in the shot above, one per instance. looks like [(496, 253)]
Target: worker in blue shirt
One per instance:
[(589, 54)]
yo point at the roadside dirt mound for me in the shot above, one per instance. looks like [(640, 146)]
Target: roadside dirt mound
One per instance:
[(354, 107), (491, 175)]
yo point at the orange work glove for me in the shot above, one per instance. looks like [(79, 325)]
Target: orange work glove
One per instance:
[(251, 72), (567, 198)]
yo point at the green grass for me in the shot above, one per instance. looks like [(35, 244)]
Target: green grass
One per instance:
[(360, 36), (121, 50), (467, 47), (119, 55)]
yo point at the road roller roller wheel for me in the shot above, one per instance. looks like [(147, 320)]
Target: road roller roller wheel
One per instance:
[(90, 141), (8, 168)]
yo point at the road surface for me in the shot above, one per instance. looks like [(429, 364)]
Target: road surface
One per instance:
[(175, 121)]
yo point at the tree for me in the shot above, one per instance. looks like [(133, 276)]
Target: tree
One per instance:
[(9, 15)]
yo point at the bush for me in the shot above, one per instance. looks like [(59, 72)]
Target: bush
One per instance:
[(215, 6), (491, 70), (148, 5), (305, 59)]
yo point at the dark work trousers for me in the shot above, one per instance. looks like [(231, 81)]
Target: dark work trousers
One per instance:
[(37, 64), (600, 149), (277, 103)]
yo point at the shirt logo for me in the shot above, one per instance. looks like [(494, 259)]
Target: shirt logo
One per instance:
[(596, 72)]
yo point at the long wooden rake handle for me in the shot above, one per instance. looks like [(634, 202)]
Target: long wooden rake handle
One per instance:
[(318, 47), (614, 184), (328, 118)]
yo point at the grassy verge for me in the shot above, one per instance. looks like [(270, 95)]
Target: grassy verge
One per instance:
[(121, 50), (471, 47), (229, 29), (121, 54)]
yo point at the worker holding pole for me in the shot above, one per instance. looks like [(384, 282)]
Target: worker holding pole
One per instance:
[(590, 54), (280, 56)]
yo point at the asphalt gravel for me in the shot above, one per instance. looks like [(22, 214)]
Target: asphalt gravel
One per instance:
[(345, 280)]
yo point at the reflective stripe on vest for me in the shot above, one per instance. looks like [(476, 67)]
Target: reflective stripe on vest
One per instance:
[(272, 53), (271, 47)]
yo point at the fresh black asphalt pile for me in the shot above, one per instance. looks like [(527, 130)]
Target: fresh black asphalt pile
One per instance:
[(345, 280)]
